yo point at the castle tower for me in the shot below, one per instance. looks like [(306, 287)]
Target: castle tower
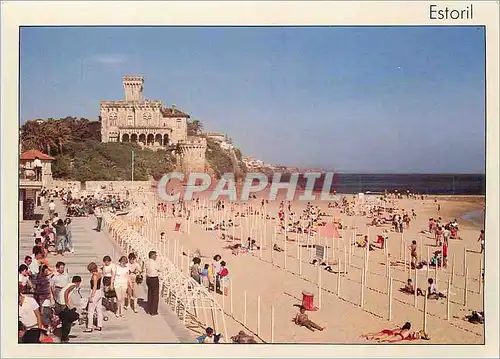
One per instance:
[(133, 85), (193, 151)]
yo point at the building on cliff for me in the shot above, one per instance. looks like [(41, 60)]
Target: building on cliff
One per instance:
[(150, 124)]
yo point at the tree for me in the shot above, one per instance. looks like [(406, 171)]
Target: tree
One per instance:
[(194, 128)]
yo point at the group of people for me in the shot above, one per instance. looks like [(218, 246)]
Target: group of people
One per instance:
[(48, 299), (212, 276), (55, 234), (432, 291)]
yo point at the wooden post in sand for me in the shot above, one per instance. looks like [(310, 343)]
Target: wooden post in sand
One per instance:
[(297, 236), (362, 299), (245, 309), (368, 244), (284, 265), (465, 287), (389, 318), (480, 277), (234, 227), (448, 295), (350, 249), (260, 248), (428, 261), (405, 261), (319, 286), (345, 260), (425, 313), (401, 248), (338, 279), (258, 316), (415, 288), (168, 249), (231, 298), (453, 268), (181, 264), (436, 274), (300, 261), (465, 259), (333, 247), (272, 324)]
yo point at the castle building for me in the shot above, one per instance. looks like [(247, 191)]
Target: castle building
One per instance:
[(152, 125)]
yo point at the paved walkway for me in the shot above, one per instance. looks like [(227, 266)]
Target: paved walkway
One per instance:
[(91, 246)]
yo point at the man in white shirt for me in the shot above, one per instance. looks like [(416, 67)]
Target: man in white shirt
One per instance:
[(37, 164), (153, 283), (52, 208), (29, 312), (59, 280), (68, 313)]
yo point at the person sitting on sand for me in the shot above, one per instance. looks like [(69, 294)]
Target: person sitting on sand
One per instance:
[(303, 320), (433, 291), (395, 335), (361, 242), (409, 289), (209, 337)]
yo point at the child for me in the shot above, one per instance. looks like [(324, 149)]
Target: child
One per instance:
[(204, 275)]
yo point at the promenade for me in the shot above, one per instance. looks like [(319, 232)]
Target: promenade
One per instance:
[(92, 246)]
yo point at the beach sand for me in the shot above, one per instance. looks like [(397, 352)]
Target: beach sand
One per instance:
[(342, 315)]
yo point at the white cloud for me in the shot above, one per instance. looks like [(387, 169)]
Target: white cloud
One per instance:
[(109, 59)]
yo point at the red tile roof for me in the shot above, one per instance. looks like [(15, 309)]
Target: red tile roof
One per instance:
[(170, 112), (31, 154)]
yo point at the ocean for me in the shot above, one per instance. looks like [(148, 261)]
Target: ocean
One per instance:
[(435, 184)]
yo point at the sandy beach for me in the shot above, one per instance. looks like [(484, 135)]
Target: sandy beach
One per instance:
[(263, 274)]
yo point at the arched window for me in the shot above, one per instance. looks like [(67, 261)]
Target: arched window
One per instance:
[(112, 118)]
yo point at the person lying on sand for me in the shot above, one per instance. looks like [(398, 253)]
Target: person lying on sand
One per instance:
[(243, 338), (301, 319), (409, 289), (395, 335), (277, 249)]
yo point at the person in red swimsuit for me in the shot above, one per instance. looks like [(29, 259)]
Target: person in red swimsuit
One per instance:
[(392, 335)]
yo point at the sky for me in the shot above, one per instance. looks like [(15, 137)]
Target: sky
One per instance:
[(349, 99)]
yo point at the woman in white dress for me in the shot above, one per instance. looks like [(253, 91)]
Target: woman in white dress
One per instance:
[(135, 277), (121, 284)]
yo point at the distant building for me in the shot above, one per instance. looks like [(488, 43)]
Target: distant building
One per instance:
[(223, 140), (150, 124), (29, 186)]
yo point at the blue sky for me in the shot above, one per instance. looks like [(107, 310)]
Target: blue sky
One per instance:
[(353, 99)]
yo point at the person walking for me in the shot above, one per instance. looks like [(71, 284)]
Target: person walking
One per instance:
[(67, 310), (69, 237), (121, 284), (95, 300), (135, 274), (60, 236), (153, 283), (98, 216)]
